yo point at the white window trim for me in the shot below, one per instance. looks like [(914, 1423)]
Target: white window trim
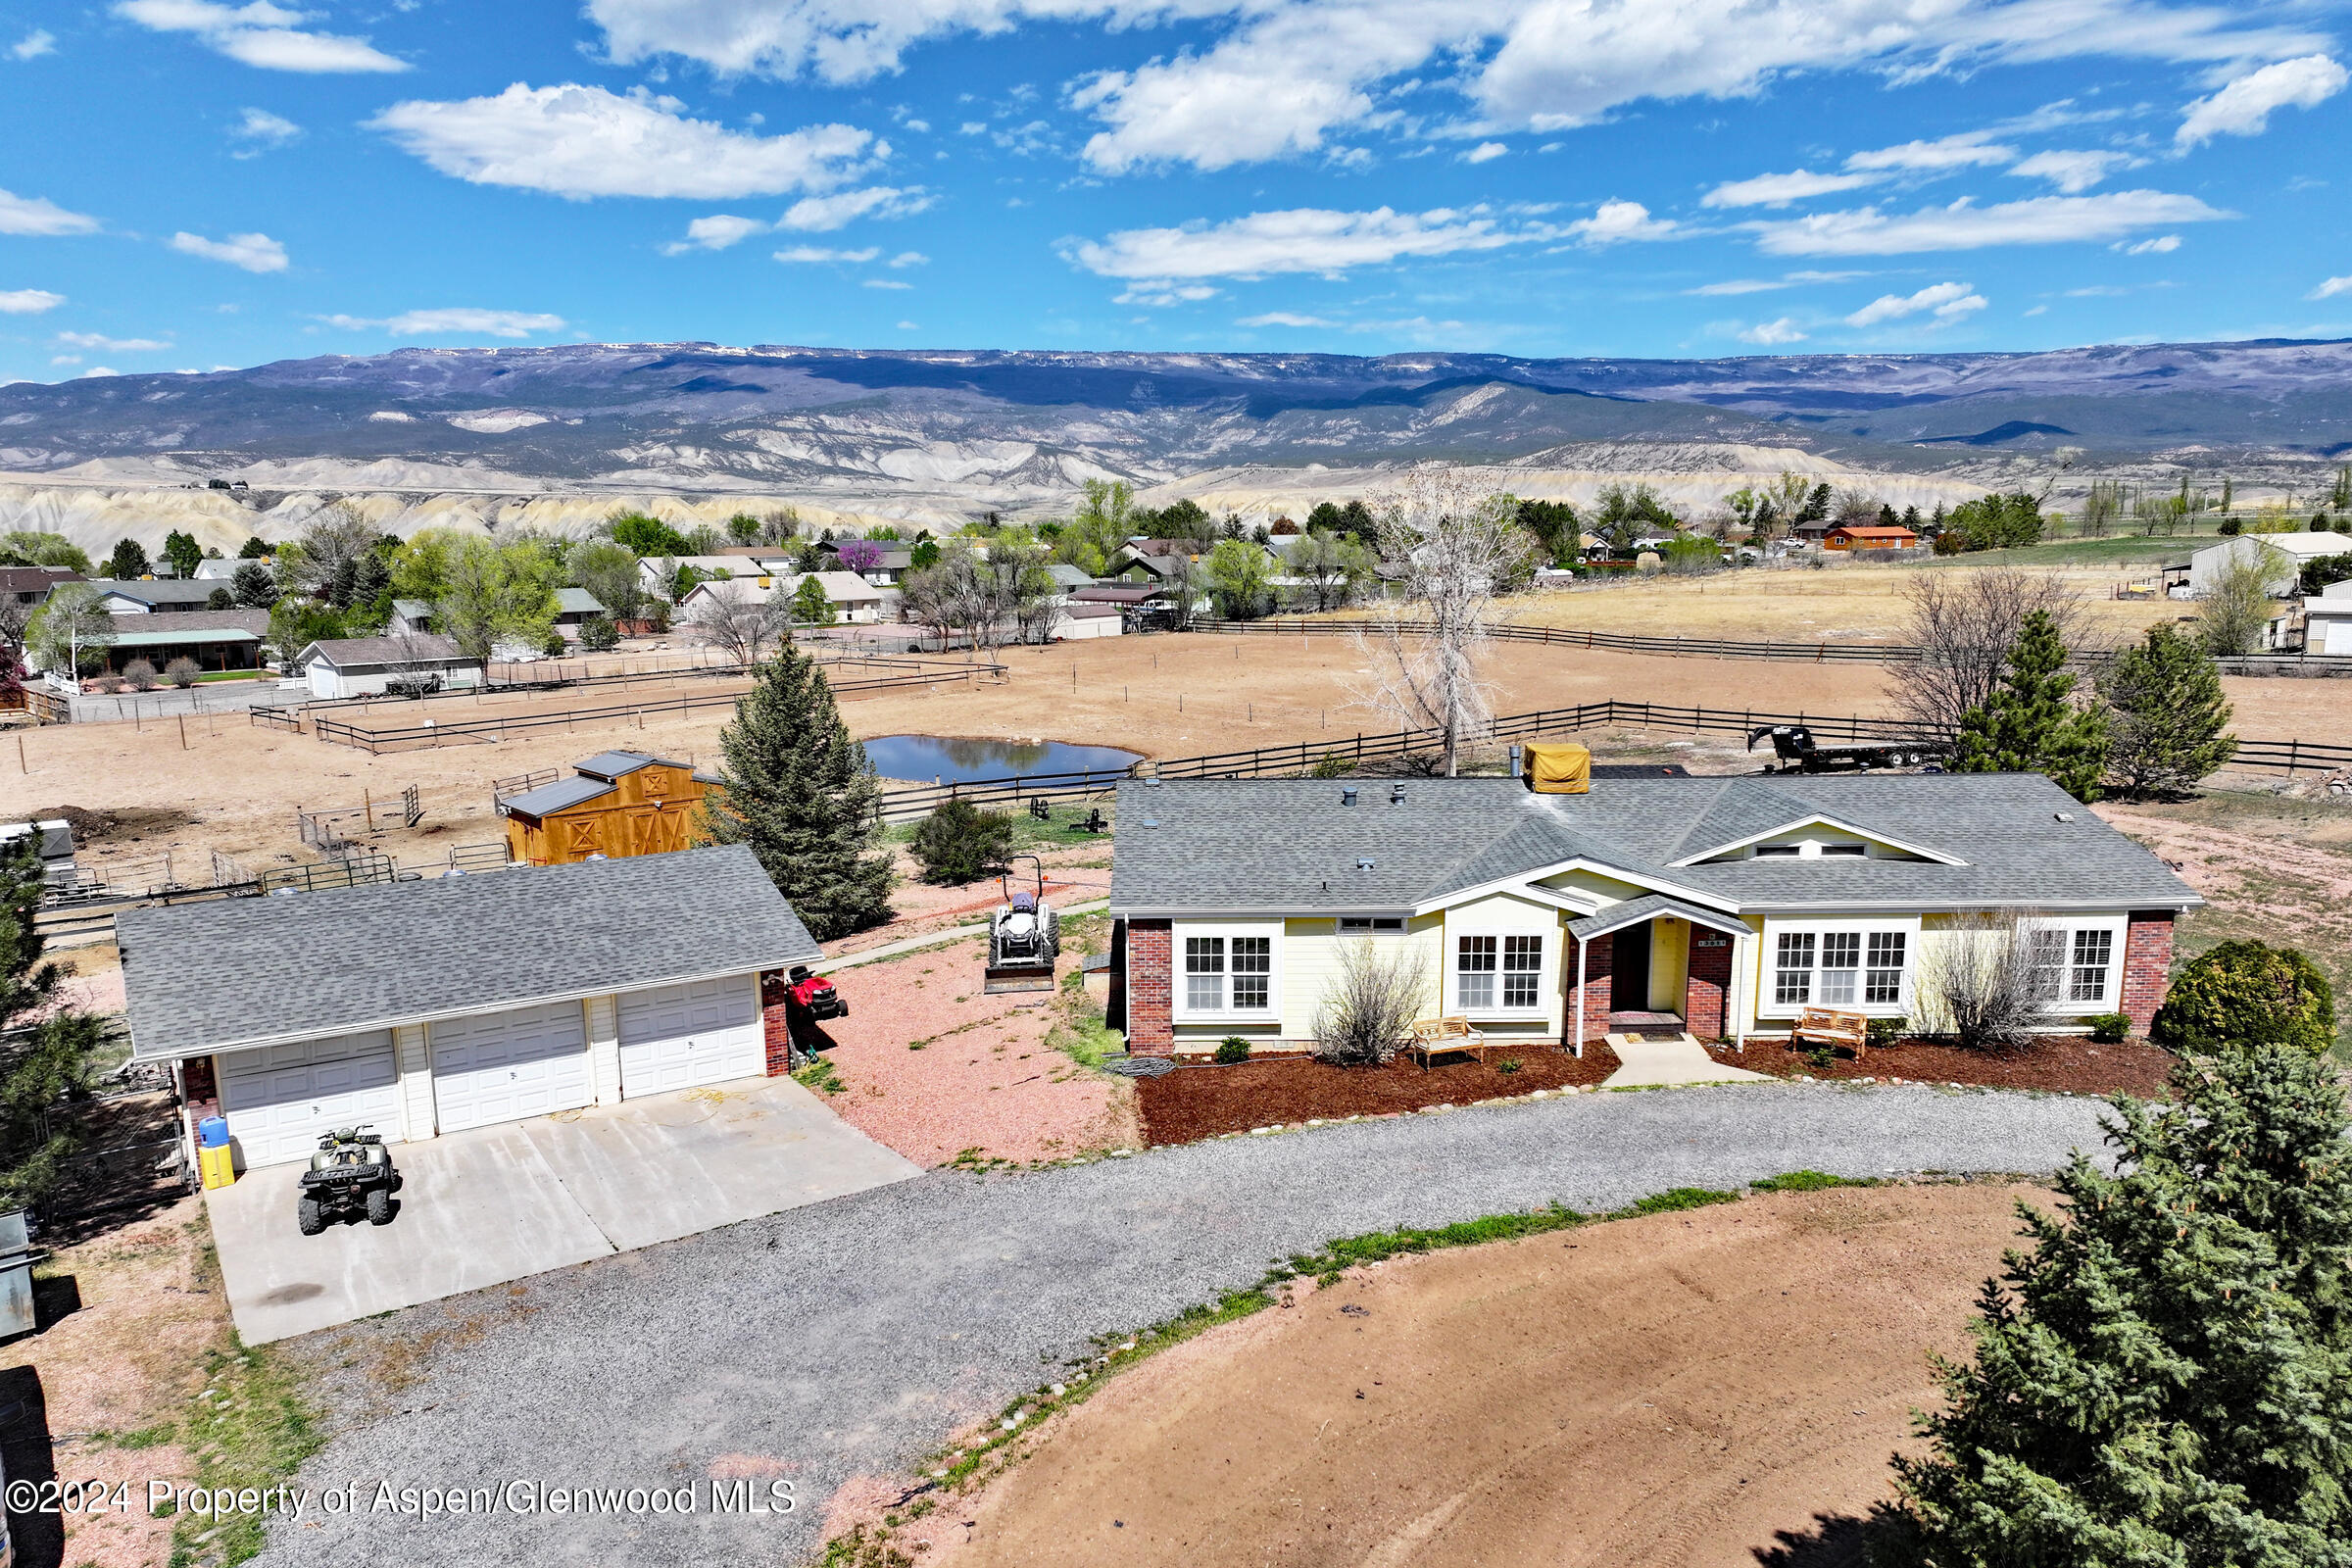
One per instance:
[(2119, 927), (1452, 957), (1182, 1011), (1768, 965)]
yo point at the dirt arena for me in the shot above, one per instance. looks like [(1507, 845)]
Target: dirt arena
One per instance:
[(219, 783), (1701, 1390)]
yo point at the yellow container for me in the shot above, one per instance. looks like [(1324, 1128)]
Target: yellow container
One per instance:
[(216, 1166), (1556, 770)]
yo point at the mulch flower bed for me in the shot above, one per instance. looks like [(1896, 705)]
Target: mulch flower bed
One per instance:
[(2068, 1063), (1193, 1102)]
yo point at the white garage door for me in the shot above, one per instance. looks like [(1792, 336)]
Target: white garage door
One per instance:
[(704, 1032), (504, 1067), (2340, 637), (278, 1100)]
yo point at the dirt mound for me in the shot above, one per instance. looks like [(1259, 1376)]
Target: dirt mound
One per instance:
[(125, 825), (1713, 1388)]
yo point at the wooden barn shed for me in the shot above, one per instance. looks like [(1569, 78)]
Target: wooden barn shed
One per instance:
[(618, 804)]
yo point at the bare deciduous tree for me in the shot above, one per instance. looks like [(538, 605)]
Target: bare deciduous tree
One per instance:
[(2237, 605), (334, 539), (1461, 549), (736, 617), (1985, 979), (1368, 1010), (1964, 625)]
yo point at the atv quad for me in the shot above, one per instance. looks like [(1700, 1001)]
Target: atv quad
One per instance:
[(351, 1174)]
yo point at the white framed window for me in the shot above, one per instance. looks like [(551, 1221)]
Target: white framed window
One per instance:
[(1371, 925), (1499, 973), (2074, 964), (1862, 966), (1226, 974)]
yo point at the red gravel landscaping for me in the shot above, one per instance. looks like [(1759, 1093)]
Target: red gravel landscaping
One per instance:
[(2069, 1063), (1193, 1102)]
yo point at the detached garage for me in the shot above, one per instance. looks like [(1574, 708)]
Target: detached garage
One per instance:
[(430, 1008)]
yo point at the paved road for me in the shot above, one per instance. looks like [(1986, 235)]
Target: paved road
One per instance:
[(850, 1338)]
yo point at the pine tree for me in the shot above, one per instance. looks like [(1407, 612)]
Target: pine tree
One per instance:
[(2029, 726), (801, 793), (2168, 718), (47, 1050), (2165, 1380)]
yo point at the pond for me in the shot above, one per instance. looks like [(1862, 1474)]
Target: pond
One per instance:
[(952, 759)]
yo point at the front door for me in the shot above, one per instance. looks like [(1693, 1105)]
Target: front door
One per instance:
[(1629, 970)]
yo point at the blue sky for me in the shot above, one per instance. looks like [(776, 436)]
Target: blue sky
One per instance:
[(186, 184)]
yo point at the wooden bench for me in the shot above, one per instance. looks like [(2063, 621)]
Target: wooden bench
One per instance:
[(1828, 1026), (1444, 1037)]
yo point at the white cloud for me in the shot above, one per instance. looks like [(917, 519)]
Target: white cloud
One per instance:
[(2332, 288), (112, 345), (823, 212), (34, 44), (1769, 333), (1484, 152), (578, 142), (1947, 300), (1281, 76), (1736, 286), (455, 322), (260, 130), (1778, 190), (1161, 293), (28, 300), (1616, 222), (2071, 172), (1284, 318), (31, 214), (908, 327), (256, 253), (65, 359), (2244, 107), (1962, 225), (714, 233), (818, 254), (884, 282), (2161, 245), (911, 258), (260, 34), (1969, 149), (1303, 239), (95, 370)]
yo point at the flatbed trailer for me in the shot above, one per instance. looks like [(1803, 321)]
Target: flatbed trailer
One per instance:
[(1797, 750)]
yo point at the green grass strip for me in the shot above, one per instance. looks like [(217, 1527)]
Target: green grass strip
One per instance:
[(248, 1428)]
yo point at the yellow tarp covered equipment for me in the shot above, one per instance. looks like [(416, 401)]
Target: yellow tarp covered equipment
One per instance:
[(1564, 769)]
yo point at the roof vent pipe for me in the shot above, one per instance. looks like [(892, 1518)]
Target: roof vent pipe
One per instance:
[(1347, 797), (1396, 795)]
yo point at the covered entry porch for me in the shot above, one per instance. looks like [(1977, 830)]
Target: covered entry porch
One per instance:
[(1651, 963)]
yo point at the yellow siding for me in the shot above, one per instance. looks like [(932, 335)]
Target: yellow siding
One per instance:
[(1669, 962), (1503, 913)]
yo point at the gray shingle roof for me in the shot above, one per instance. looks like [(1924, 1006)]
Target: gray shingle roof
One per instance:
[(231, 973), (1648, 906), (619, 764), (417, 648), (1232, 845)]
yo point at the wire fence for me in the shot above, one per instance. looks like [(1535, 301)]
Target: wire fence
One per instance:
[(1819, 652)]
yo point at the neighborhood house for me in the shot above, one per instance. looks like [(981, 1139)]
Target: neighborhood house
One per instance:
[(1726, 906), (371, 666), (463, 1001)]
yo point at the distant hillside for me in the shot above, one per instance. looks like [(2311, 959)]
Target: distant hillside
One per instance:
[(1018, 423)]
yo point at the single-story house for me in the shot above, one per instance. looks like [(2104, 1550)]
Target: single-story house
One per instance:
[(1068, 579), (575, 608), (1869, 536), (660, 571), (365, 666), (463, 1001), (2328, 619), (2282, 555), (153, 594), (1085, 623), (217, 569), (216, 639), (854, 600), (616, 803), (1724, 904), (32, 585)]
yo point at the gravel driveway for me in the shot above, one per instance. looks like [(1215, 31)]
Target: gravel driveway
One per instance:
[(852, 1336)]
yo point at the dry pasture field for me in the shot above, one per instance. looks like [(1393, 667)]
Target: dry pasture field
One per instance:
[(1701, 1390)]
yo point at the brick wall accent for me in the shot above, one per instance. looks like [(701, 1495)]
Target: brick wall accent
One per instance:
[(1708, 992), (775, 1022), (1597, 954), (2147, 965), (1150, 998)]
